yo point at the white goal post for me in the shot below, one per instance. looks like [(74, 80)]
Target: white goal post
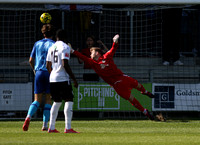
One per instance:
[(102, 1)]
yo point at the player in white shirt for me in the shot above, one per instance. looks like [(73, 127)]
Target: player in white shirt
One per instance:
[(60, 85)]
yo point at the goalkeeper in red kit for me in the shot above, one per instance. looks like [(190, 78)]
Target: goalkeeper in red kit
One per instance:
[(105, 67)]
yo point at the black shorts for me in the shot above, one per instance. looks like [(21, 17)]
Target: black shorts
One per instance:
[(61, 91)]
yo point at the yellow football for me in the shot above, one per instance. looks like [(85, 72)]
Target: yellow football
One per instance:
[(45, 18)]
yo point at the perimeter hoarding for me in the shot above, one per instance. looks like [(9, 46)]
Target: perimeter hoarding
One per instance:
[(102, 97), (15, 96), (176, 97)]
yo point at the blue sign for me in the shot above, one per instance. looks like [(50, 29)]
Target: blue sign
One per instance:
[(164, 97)]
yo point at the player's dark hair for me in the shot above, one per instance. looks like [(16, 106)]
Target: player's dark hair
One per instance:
[(48, 30), (61, 35), (97, 49)]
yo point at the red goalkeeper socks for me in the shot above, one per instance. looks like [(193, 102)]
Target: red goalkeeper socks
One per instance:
[(137, 104)]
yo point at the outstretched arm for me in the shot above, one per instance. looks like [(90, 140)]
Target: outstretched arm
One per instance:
[(112, 51), (71, 49), (82, 57), (79, 60)]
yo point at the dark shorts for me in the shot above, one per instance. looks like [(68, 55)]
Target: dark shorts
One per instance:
[(61, 91), (42, 84)]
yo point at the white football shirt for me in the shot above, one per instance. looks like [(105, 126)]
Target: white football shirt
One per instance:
[(56, 53)]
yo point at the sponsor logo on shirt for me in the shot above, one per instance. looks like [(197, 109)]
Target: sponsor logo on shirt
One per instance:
[(103, 65)]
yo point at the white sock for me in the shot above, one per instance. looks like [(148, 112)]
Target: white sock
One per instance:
[(68, 111), (53, 114), (28, 116)]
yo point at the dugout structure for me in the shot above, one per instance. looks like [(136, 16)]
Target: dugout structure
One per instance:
[(139, 55)]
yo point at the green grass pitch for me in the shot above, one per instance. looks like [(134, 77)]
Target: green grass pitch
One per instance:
[(104, 132)]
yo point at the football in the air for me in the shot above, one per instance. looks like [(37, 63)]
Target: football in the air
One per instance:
[(45, 18)]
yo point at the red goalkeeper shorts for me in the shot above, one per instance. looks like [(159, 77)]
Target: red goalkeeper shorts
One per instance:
[(124, 86)]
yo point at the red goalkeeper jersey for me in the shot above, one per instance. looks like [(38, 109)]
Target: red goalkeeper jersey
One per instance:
[(105, 66), (87, 53)]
